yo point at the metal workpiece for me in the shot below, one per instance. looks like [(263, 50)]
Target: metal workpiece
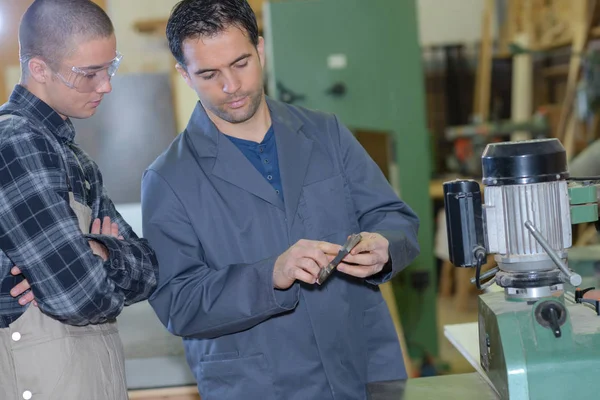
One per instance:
[(352, 241)]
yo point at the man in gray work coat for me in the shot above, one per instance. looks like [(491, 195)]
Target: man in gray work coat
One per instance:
[(244, 209)]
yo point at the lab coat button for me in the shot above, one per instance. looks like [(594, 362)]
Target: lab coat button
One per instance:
[(27, 395), (16, 336)]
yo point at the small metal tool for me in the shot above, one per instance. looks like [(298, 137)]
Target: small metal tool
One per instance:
[(352, 241)]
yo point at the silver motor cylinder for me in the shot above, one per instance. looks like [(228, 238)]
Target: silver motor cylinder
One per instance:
[(507, 208)]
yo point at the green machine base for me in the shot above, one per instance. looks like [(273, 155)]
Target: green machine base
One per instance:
[(548, 349)]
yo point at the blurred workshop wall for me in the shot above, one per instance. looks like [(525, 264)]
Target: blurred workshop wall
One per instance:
[(450, 21), (139, 26), (142, 53)]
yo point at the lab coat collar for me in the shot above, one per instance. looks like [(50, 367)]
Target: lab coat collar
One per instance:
[(226, 162)]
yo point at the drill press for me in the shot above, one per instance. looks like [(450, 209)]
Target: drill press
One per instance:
[(539, 338)]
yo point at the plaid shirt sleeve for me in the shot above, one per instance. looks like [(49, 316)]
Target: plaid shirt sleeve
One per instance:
[(40, 234), (132, 264)]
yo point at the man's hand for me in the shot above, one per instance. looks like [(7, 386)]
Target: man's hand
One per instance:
[(103, 228), (367, 258), (21, 288), (302, 262)]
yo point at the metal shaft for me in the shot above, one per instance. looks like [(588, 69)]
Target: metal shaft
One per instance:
[(574, 278), (487, 274)]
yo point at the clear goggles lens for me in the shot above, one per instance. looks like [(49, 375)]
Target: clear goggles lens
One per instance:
[(89, 79)]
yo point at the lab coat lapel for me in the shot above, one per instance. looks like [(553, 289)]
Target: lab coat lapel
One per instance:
[(230, 164), (293, 150)]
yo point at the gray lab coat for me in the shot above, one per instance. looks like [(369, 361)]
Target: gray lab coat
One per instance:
[(218, 226)]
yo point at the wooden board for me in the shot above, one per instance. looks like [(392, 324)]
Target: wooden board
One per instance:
[(177, 393)]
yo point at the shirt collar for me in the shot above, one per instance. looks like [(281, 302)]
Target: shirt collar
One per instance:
[(251, 144), (42, 112)]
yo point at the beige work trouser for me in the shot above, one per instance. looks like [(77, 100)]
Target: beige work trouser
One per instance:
[(43, 359)]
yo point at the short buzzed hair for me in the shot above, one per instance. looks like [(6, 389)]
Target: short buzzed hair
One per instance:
[(50, 29)]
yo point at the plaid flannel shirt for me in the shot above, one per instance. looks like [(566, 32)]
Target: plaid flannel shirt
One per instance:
[(39, 232)]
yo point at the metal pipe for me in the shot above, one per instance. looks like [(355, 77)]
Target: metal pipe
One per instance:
[(487, 274), (574, 278)]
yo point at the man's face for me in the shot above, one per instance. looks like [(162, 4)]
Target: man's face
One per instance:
[(80, 81), (226, 73)]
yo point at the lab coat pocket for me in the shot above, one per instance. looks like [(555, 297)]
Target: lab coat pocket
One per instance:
[(238, 378), (384, 356), (324, 208)]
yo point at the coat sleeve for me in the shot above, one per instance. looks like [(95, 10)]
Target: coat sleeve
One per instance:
[(377, 206), (193, 299)]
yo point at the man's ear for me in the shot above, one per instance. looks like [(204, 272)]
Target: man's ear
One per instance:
[(38, 70), (184, 74), (260, 48)]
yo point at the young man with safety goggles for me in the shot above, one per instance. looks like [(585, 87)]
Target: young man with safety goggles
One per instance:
[(80, 273)]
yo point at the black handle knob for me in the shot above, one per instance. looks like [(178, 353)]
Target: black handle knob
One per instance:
[(551, 314), (337, 90), (580, 292)]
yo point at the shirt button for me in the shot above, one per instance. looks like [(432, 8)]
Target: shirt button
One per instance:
[(269, 177), (266, 160), (16, 336), (27, 395), (261, 149)]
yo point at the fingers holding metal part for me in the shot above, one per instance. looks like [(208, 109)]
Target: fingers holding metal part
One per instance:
[(303, 261), (371, 242), (331, 249), (368, 257)]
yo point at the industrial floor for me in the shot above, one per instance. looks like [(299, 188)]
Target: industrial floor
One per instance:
[(447, 314)]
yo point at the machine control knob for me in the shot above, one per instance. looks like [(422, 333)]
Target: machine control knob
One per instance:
[(337, 89), (551, 314)]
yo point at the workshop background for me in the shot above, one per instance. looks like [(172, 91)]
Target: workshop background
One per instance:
[(424, 84)]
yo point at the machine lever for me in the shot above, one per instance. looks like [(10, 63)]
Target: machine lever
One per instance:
[(554, 322), (486, 275), (574, 278), (337, 90), (551, 315)]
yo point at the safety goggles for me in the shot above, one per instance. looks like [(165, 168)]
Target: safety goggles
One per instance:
[(89, 79)]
